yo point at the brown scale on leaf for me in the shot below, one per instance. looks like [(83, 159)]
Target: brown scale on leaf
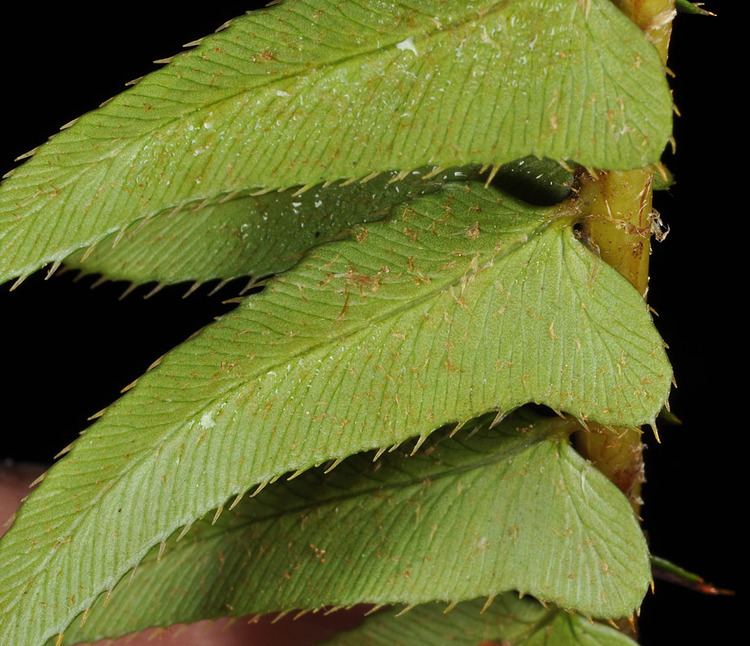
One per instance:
[(473, 231)]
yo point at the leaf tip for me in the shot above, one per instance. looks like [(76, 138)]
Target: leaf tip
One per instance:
[(127, 291), (487, 604), (378, 454), (420, 441), (405, 609), (18, 282), (374, 609), (64, 451), (38, 480), (217, 514), (260, 488), (655, 430)]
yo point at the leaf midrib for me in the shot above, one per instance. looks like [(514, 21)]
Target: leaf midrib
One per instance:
[(129, 467), (116, 151), (301, 71), (557, 428), (364, 325), (304, 70)]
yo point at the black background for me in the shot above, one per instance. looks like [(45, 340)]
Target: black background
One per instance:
[(67, 350)]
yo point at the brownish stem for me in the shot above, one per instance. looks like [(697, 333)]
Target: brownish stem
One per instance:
[(618, 224), (654, 17), (618, 454), (618, 207)]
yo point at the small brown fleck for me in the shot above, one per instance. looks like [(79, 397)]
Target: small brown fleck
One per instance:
[(473, 231)]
